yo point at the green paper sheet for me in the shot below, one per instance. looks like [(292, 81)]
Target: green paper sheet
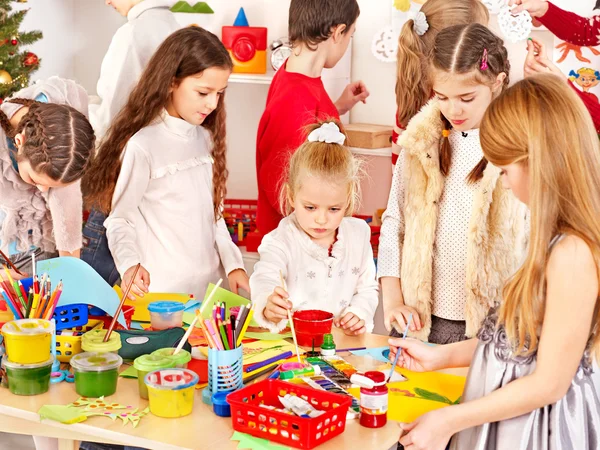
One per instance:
[(130, 372), (62, 413), (253, 443)]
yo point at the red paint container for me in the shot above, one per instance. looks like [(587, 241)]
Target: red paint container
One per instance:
[(310, 325), (199, 365), (373, 399)]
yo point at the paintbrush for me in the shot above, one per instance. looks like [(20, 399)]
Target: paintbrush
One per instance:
[(284, 287), (399, 349), (121, 303)]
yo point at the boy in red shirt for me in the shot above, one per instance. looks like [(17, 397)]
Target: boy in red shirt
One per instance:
[(320, 31)]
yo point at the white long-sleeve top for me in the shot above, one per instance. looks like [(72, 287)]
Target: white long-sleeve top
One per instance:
[(162, 210), (341, 283), (451, 239), (148, 25)]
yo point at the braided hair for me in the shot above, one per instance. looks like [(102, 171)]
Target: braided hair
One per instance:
[(59, 140)]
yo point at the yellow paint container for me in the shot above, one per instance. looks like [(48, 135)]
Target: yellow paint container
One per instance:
[(27, 341), (171, 392)]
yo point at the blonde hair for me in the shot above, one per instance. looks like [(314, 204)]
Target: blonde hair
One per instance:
[(541, 122), (583, 71), (331, 162), (413, 87)]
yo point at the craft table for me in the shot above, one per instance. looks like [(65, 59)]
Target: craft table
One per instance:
[(200, 430)]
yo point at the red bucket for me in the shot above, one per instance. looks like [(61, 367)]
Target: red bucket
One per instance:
[(312, 325)]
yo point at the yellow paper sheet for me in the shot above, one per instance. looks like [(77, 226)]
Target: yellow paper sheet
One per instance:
[(420, 393)]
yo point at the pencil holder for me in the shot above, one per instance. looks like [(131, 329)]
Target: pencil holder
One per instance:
[(224, 372)]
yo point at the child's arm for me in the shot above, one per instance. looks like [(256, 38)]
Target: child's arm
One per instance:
[(274, 257), (122, 221), (66, 209), (230, 255), (572, 292), (366, 295)]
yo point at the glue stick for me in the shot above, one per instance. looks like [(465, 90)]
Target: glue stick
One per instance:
[(309, 371)]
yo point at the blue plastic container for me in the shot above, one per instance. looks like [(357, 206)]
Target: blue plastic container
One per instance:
[(165, 315), (220, 406)]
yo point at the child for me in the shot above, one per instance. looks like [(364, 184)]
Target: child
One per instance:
[(571, 28), (324, 254), (531, 383), (45, 145), (451, 234), (320, 32), (161, 172), (413, 88), (149, 23)]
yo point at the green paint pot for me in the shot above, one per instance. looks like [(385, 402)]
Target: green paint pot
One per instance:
[(28, 379), (149, 363), (181, 359), (96, 374)]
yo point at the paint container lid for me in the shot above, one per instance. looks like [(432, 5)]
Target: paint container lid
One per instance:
[(93, 341), (150, 363), (96, 362), (220, 406), (181, 358), (165, 307), (27, 327), (171, 379), (12, 365)]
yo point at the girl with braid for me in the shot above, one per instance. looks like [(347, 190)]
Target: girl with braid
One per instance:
[(46, 143), (161, 172)]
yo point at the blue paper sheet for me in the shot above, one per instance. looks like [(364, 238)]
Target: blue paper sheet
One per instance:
[(377, 353), (82, 284)]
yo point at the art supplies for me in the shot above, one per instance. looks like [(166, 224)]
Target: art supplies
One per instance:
[(259, 373), (28, 341), (244, 325), (224, 372), (373, 398), (335, 368), (180, 359), (258, 351), (400, 349), (290, 321), (165, 315), (11, 265), (324, 383), (307, 371), (149, 363), (300, 407), (95, 341), (96, 374), (28, 379), (171, 392), (125, 294), (253, 367), (312, 325), (328, 346)]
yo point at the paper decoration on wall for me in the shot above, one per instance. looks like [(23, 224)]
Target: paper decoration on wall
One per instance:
[(200, 14), (494, 6), (514, 27), (198, 8), (384, 44)]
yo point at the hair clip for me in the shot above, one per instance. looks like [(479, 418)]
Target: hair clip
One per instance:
[(445, 133), (484, 60), (329, 133)]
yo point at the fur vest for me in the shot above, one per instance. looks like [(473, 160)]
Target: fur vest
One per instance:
[(496, 236)]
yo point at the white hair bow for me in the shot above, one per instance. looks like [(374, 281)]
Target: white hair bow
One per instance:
[(328, 133), (420, 24)]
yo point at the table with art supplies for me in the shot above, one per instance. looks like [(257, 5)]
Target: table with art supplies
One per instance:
[(144, 380)]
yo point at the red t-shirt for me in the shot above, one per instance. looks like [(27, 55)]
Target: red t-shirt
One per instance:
[(294, 101)]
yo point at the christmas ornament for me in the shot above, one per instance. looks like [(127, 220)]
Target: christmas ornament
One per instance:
[(281, 49), (5, 77), (14, 41), (515, 27), (31, 59)]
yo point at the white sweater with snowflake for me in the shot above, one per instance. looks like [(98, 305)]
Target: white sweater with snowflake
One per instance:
[(341, 283)]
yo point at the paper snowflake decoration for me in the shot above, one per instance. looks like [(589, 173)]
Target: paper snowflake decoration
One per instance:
[(384, 45), (515, 27), (494, 6)]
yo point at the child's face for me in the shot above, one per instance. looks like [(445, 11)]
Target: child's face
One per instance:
[(320, 207), (339, 42), (516, 178), (122, 6), (195, 97), (587, 81), (462, 101)]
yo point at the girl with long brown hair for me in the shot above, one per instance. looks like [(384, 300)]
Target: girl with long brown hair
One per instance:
[(161, 172), (531, 384), (451, 235), (46, 143)]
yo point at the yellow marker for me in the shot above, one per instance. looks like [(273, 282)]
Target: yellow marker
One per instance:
[(248, 319), (8, 275), (240, 232)]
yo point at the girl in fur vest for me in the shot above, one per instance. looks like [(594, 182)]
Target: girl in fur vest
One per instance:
[(451, 235), (324, 254)]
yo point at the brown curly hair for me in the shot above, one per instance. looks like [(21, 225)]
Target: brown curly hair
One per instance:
[(184, 53), (59, 140)]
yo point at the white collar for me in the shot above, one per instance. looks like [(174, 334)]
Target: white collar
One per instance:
[(178, 126), (314, 250), (145, 5)]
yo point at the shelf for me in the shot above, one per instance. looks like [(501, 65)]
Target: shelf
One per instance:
[(250, 78)]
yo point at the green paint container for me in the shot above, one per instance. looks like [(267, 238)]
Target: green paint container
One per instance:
[(96, 374), (28, 379), (181, 359), (149, 363)]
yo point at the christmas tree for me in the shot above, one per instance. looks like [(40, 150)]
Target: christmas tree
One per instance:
[(16, 65)]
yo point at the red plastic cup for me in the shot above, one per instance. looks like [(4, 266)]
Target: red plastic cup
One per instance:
[(310, 325)]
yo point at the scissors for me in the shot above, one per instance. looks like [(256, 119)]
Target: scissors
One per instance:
[(62, 375)]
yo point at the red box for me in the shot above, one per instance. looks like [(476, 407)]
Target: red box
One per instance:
[(248, 417)]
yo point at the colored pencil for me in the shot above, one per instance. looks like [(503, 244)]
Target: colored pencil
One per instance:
[(29, 302), (290, 320), (36, 285), (350, 349), (214, 334), (233, 330), (223, 334), (400, 349), (54, 301), (245, 325), (241, 319), (258, 375), (22, 289), (10, 263), (207, 335), (266, 362), (10, 304), (274, 375), (229, 334)]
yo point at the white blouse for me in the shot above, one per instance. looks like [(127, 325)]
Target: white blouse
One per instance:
[(450, 248), (341, 283), (162, 211)]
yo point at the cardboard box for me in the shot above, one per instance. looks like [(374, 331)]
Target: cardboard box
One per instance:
[(364, 135)]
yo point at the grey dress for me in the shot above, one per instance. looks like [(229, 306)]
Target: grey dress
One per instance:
[(572, 423)]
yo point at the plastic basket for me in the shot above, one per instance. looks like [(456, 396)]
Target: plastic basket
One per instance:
[(248, 417), (70, 316), (240, 211), (224, 371), (69, 344)]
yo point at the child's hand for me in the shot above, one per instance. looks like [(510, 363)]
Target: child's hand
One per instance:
[(537, 60), (238, 278), (416, 355), (353, 93), (277, 306), (398, 318), (536, 8), (140, 284), (351, 324), (431, 431)]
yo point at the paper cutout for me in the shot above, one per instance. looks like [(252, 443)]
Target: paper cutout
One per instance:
[(515, 27), (130, 372), (96, 404), (376, 353), (247, 441), (82, 284), (198, 8), (62, 413), (420, 393)]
